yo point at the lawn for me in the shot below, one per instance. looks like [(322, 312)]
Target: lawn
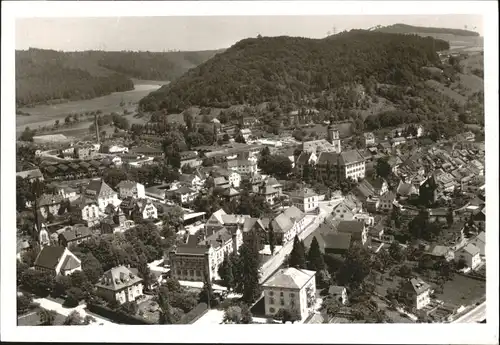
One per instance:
[(32, 319), (462, 290)]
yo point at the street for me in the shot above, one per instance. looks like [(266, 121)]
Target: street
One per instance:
[(477, 314), (58, 308)]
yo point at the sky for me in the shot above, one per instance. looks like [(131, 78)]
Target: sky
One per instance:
[(202, 33)]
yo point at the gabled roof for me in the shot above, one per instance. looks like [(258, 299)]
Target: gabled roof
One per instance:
[(70, 263), (365, 189), (328, 157), (35, 173), (118, 278), (100, 188), (416, 285), (290, 278), (389, 196), (302, 193), (351, 226), (282, 223), (126, 184), (303, 158), (49, 256), (350, 157), (341, 241), (183, 190), (294, 212), (471, 249), (48, 200), (76, 233)]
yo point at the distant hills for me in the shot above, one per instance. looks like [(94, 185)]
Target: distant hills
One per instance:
[(298, 70), (410, 29), (45, 76)]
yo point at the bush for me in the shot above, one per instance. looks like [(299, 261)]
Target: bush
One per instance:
[(74, 296)]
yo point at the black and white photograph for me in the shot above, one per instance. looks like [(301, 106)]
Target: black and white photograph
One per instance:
[(214, 165)]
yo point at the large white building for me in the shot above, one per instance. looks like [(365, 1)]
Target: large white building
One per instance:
[(99, 191), (120, 284), (290, 289)]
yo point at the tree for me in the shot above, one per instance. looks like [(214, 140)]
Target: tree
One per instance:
[(207, 294), (315, 259), (355, 268), (174, 218), (27, 134), (232, 314), (24, 303), (74, 296), (248, 269), (272, 238), (47, 317), (91, 267), (396, 252), (74, 318), (226, 272), (331, 305), (239, 138), (246, 314), (297, 255), (285, 315), (40, 282), (382, 168)]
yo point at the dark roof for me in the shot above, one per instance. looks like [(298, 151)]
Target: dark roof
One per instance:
[(337, 241), (47, 200), (187, 249), (74, 234), (350, 226), (303, 158), (100, 188), (49, 256)]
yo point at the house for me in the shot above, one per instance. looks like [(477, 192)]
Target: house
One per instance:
[(156, 193), (192, 180), (74, 235), (184, 194), (90, 211), (438, 251), (230, 194), (417, 292), (480, 242), (469, 256), (271, 181), (145, 209), (345, 210), (57, 260), (372, 204), (120, 284), (31, 175), (133, 189), (305, 199), (252, 225), (387, 202), (479, 217), (398, 141), (292, 289), (335, 243), (190, 158), (287, 224), (232, 177), (49, 204), (339, 293), (241, 166), (406, 189), (269, 193), (439, 215), (358, 230), (379, 185), (147, 151), (369, 139), (351, 165), (99, 191), (67, 193), (246, 133), (394, 162)]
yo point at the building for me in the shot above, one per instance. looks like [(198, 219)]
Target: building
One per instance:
[(305, 200), (429, 190), (145, 209), (287, 224), (184, 194), (190, 158), (417, 293), (31, 175), (369, 139), (99, 191), (337, 166), (291, 289), (90, 212), (130, 188), (440, 252), (50, 138), (469, 255), (241, 166), (398, 141), (146, 151), (269, 193), (74, 235), (68, 193), (57, 260), (49, 204), (246, 133), (120, 284), (386, 202), (357, 229), (333, 137)]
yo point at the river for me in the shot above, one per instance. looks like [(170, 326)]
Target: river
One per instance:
[(43, 115)]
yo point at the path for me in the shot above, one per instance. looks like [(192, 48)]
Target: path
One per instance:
[(58, 308)]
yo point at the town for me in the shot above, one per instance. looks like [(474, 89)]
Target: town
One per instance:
[(255, 230), (237, 202)]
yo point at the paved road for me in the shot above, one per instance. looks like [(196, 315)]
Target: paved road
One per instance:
[(57, 307), (477, 314)]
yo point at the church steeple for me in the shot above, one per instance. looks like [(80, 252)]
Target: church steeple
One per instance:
[(333, 136)]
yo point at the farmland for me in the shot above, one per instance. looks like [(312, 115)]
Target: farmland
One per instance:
[(44, 115)]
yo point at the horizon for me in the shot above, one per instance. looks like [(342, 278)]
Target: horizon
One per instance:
[(117, 34)]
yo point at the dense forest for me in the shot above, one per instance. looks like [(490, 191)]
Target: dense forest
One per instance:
[(44, 76), (297, 70), (410, 29)]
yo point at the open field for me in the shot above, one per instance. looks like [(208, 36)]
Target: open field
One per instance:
[(46, 114), (462, 290)]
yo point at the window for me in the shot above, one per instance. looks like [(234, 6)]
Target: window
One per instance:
[(281, 294), (282, 301), (271, 300), (271, 293), (272, 310), (292, 295)]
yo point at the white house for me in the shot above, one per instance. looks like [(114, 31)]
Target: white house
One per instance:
[(289, 223), (418, 292), (90, 211), (120, 284), (470, 254), (306, 200), (68, 193), (146, 209), (99, 191), (338, 292), (57, 260), (130, 188), (292, 289)]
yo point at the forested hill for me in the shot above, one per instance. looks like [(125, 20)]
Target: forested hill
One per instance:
[(291, 69), (410, 29), (50, 76)]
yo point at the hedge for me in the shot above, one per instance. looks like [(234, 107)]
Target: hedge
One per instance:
[(117, 316), (194, 314)]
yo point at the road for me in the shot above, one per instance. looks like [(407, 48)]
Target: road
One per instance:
[(58, 308), (477, 314)]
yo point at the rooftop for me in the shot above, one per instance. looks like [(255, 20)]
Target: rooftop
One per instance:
[(290, 278)]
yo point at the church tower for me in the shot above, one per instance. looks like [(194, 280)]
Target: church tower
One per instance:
[(333, 137), (43, 236)]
